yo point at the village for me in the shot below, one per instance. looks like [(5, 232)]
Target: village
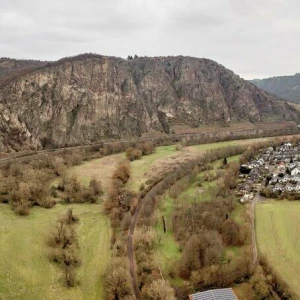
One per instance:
[(274, 173)]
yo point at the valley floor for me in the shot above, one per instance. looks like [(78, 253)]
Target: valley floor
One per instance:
[(26, 272)]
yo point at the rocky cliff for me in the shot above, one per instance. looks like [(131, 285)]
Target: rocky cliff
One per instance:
[(87, 98), (287, 87)]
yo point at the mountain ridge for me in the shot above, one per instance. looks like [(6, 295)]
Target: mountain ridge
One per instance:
[(85, 98), (286, 87)]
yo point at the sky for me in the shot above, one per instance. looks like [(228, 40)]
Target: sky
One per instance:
[(255, 39)]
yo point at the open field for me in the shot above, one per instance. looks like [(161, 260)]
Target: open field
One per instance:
[(101, 168), (141, 166), (26, 272), (278, 238)]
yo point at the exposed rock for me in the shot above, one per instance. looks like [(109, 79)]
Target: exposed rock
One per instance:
[(90, 98)]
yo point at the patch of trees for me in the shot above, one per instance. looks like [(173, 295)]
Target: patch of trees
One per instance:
[(151, 284), (274, 279), (63, 241), (117, 280), (75, 192), (26, 183), (145, 148), (147, 266), (120, 205)]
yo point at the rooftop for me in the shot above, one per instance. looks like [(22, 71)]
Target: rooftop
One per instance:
[(218, 294)]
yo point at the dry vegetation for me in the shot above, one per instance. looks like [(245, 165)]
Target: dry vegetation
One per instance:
[(65, 248)]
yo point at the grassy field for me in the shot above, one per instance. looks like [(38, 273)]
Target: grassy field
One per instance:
[(101, 168), (206, 147), (26, 272), (141, 166), (278, 238)]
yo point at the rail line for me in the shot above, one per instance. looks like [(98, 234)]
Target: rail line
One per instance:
[(172, 138)]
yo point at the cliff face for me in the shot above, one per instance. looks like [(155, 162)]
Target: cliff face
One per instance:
[(84, 100), (287, 87)]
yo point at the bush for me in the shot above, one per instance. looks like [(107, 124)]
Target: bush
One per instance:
[(146, 148), (122, 173), (158, 290), (133, 154), (64, 246), (117, 281), (96, 187)]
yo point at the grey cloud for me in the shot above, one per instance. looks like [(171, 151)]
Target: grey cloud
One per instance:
[(253, 38)]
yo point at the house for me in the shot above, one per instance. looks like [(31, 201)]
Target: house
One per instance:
[(274, 180), (292, 165), (290, 187), (281, 167), (297, 187), (295, 171), (247, 197), (217, 294), (278, 187), (295, 178), (254, 174), (286, 178)]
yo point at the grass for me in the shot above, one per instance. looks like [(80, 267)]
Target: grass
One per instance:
[(141, 166), (26, 272), (100, 168), (206, 147), (277, 231), (167, 248)]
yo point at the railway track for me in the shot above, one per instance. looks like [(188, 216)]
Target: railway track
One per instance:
[(172, 138)]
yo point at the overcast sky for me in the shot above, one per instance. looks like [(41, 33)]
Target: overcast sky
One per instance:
[(255, 39)]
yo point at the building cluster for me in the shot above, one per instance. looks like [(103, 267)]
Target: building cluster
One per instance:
[(276, 169)]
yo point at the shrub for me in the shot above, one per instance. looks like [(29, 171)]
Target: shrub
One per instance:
[(117, 281), (146, 148), (133, 154), (122, 172), (64, 246)]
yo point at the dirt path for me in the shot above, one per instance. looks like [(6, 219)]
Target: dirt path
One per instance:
[(173, 162), (130, 250)]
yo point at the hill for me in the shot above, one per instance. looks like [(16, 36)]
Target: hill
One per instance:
[(90, 97), (287, 87)]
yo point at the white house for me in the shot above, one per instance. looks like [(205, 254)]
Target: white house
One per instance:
[(295, 171)]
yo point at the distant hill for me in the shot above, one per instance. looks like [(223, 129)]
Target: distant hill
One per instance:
[(90, 97), (287, 87), (12, 68)]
